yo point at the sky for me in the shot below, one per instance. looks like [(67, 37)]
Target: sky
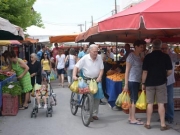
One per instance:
[(64, 16)]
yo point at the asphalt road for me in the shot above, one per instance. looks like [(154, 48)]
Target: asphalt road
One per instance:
[(64, 123)]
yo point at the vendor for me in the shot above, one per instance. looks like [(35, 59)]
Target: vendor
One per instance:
[(21, 69)]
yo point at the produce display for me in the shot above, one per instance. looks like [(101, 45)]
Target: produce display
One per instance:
[(2, 77), (115, 76), (7, 73), (177, 49), (12, 88)]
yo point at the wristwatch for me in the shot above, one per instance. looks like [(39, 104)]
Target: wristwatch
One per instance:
[(143, 83)]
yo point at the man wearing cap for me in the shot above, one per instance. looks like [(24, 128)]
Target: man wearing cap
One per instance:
[(156, 67), (93, 67)]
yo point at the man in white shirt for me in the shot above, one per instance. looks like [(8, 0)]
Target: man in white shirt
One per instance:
[(92, 66), (169, 116)]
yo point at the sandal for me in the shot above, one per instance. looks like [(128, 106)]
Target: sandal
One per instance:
[(23, 107), (147, 126), (95, 117), (165, 128), (137, 123), (138, 119)]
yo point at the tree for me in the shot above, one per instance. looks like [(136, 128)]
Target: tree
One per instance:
[(20, 12)]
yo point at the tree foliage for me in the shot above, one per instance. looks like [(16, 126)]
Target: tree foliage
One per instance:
[(20, 12)]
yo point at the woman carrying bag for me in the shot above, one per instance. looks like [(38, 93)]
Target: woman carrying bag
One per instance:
[(71, 59)]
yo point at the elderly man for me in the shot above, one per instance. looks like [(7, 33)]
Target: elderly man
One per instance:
[(92, 66), (170, 81), (156, 67)]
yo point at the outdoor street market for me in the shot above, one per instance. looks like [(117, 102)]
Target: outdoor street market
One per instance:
[(119, 75)]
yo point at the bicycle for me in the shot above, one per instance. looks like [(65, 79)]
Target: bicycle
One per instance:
[(86, 104)]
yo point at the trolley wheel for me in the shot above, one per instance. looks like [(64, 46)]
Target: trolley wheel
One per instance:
[(87, 109), (51, 114), (36, 109), (35, 115), (73, 104), (47, 113), (31, 114)]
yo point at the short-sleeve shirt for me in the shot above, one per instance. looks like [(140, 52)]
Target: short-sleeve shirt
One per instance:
[(91, 69), (81, 54), (156, 64), (45, 64), (174, 59), (39, 55), (61, 61), (135, 72)]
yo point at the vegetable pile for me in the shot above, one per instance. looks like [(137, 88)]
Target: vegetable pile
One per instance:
[(12, 88), (3, 77)]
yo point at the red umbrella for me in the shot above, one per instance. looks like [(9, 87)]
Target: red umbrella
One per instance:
[(80, 37), (151, 18)]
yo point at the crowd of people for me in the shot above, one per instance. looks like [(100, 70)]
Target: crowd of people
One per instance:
[(153, 70)]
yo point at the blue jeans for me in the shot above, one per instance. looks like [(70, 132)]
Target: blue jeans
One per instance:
[(134, 89), (170, 104)]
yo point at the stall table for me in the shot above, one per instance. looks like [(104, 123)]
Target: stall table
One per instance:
[(4, 82), (113, 89)]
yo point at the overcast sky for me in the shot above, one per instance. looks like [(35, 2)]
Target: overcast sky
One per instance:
[(63, 16)]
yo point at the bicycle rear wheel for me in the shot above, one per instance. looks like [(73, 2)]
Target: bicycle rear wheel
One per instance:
[(73, 103), (87, 109)]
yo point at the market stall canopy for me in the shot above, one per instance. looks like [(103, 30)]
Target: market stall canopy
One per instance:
[(63, 38), (151, 18), (9, 31), (9, 42), (92, 35), (80, 37), (30, 40)]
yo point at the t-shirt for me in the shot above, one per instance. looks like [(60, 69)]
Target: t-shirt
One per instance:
[(61, 61), (45, 64), (135, 72), (39, 55), (174, 59), (156, 64), (55, 52), (81, 54), (71, 61), (91, 69)]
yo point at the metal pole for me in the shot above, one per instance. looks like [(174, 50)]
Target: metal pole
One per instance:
[(85, 25), (92, 20), (115, 7), (116, 49)]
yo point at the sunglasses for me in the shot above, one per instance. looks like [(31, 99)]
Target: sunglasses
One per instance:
[(45, 54)]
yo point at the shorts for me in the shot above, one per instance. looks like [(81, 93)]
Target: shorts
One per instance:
[(156, 93), (60, 71), (134, 89)]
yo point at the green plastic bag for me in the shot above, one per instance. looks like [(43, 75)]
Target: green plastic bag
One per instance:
[(74, 87)]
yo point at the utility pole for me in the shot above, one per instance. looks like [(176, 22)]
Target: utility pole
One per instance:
[(80, 25), (92, 20), (112, 12), (115, 7), (85, 25)]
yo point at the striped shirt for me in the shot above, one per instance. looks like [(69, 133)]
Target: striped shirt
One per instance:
[(135, 72)]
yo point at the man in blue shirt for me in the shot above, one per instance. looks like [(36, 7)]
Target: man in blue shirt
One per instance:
[(40, 52)]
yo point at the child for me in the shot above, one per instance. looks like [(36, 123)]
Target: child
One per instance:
[(42, 93)]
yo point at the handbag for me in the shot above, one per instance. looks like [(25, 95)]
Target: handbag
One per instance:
[(67, 63)]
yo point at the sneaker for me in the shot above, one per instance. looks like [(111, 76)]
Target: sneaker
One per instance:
[(45, 106), (39, 106)]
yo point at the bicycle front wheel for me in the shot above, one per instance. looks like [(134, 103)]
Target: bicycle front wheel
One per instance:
[(87, 109), (73, 103)]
